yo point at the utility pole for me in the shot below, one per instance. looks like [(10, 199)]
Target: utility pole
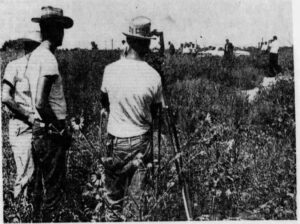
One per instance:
[(105, 45), (112, 44)]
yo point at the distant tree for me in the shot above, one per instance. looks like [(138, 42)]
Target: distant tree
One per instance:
[(94, 45)]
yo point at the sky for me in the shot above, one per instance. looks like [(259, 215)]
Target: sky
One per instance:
[(207, 22)]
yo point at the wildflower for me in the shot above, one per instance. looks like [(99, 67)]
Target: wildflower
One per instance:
[(208, 118), (77, 123)]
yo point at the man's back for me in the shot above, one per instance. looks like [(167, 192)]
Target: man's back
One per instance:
[(274, 47), (43, 63), (132, 87)]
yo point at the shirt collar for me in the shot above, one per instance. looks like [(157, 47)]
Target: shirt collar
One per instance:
[(45, 44)]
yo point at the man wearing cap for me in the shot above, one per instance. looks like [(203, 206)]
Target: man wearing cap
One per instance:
[(16, 96), (50, 140), (130, 90)]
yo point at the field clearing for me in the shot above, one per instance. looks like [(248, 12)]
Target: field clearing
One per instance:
[(239, 157)]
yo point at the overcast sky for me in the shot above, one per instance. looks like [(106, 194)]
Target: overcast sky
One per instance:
[(244, 22)]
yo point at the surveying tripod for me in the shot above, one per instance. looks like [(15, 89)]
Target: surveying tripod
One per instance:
[(173, 137)]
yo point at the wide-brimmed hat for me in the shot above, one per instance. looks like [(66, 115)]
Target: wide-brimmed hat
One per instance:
[(31, 36), (54, 14), (139, 28)]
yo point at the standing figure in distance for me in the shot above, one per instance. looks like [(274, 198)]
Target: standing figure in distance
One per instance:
[(228, 53), (171, 48), (228, 49), (274, 68), (124, 49)]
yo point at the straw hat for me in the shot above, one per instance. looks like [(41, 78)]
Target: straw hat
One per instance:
[(50, 13), (139, 28)]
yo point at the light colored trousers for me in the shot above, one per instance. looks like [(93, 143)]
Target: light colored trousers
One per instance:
[(20, 137)]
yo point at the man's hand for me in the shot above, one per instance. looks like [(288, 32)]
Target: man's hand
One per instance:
[(30, 119)]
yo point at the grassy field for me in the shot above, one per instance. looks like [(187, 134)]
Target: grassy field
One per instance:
[(239, 157)]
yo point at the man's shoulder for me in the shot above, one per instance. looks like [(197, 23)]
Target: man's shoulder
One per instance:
[(155, 76), (115, 64), (44, 55), (17, 62), (151, 69)]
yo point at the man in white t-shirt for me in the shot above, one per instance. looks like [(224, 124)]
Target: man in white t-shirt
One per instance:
[(131, 89), (50, 141), (16, 96), (274, 68)]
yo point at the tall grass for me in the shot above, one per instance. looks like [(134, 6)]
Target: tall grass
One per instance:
[(239, 158)]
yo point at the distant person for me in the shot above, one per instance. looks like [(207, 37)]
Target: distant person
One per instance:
[(193, 49), (50, 139), (186, 49), (264, 47), (180, 50), (16, 96), (124, 49), (274, 68), (171, 48), (228, 49)]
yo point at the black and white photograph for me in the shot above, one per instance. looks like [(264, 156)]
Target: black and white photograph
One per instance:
[(148, 110)]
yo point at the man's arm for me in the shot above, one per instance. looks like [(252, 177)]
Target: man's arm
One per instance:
[(104, 103), (41, 101), (8, 100)]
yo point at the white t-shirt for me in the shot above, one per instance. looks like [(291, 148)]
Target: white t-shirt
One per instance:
[(274, 47), (15, 75), (43, 63), (132, 86)]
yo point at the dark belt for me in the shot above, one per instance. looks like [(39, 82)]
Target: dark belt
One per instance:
[(147, 134)]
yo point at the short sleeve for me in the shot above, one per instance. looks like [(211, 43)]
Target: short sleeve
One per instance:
[(104, 85), (49, 66), (10, 73)]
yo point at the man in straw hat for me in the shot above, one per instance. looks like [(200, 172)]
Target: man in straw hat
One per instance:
[(16, 96), (130, 90), (50, 141)]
